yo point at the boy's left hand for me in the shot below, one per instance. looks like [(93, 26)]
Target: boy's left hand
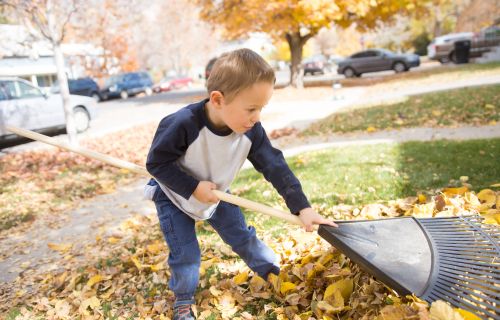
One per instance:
[(309, 217)]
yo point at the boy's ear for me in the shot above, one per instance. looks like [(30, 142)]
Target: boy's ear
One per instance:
[(216, 98)]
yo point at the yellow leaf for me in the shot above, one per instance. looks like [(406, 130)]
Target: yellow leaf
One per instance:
[(422, 198), (215, 292), (345, 286), (441, 310), (489, 106), (257, 283), (158, 267), (154, 248), (137, 263), (467, 315), (492, 217), (325, 258), (472, 199), (424, 210), (495, 185), (275, 281), (455, 191), (241, 278), (436, 113), (371, 129), (113, 240), (287, 286), (91, 303), (487, 196), (63, 247), (93, 280), (323, 305), (306, 259)]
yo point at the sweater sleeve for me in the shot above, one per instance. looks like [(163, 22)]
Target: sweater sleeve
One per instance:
[(271, 163), (170, 142)]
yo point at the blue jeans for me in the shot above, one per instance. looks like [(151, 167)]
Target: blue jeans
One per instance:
[(184, 257)]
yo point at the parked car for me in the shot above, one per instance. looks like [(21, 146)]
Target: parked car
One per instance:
[(127, 84), (374, 60), (317, 64), (82, 87), (172, 83), (442, 48), (24, 105)]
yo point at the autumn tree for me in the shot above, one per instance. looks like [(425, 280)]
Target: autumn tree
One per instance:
[(478, 14), (174, 42), (48, 19), (109, 25), (298, 21)]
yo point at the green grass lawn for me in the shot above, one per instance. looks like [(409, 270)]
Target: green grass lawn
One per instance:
[(471, 106), (360, 175)]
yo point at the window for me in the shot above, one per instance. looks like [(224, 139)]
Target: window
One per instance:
[(46, 80), (3, 92), (9, 89), (27, 91), (358, 55)]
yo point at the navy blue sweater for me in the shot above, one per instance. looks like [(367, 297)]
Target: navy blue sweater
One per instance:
[(187, 149)]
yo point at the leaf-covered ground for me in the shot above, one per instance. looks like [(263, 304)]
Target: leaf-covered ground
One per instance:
[(36, 183), (125, 277)]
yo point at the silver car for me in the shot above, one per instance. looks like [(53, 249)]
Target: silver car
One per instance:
[(24, 105), (375, 60)]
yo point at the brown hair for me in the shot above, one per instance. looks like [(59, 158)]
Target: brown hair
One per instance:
[(237, 70)]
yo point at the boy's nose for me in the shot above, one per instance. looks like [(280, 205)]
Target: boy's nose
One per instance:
[(256, 117)]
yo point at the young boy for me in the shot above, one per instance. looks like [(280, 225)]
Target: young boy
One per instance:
[(201, 148)]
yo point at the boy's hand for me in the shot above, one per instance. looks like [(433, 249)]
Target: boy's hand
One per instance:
[(203, 192), (309, 217)]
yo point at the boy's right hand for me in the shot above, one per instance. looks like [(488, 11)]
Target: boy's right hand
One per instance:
[(204, 194)]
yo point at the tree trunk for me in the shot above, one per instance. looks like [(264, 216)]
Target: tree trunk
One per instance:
[(296, 71), (63, 85)]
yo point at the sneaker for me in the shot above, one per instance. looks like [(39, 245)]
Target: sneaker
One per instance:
[(183, 312)]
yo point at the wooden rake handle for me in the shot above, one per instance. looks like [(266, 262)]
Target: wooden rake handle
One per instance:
[(245, 203)]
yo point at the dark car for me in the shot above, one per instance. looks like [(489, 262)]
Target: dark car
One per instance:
[(127, 84), (84, 87), (374, 60), (315, 65)]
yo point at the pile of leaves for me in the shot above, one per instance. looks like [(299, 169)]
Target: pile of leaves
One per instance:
[(125, 274)]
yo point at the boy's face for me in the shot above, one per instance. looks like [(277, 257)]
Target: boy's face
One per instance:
[(243, 112)]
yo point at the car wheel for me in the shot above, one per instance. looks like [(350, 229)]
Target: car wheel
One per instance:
[(148, 91), (453, 57), (443, 60), (399, 67), (96, 97), (349, 73), (124, 94), (82, 119)]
